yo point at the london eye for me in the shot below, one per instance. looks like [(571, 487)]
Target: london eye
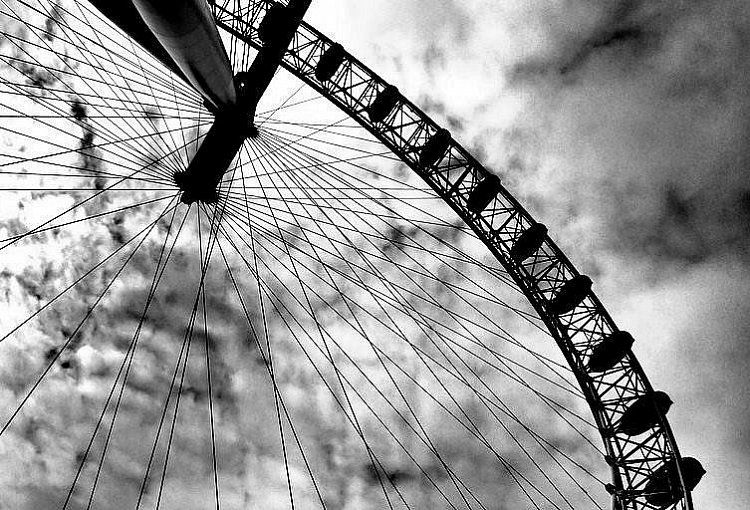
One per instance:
[(242, 270)]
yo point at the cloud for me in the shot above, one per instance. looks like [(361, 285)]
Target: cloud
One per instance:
[(90, 157), (52, 23), (657, 124)]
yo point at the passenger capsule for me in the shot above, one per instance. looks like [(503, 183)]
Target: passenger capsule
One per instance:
[(435, 148), (528, 242), (330, 62), (274, 23), (484, 192), (384, 103), (610, 351), (644, 413), (663, 487), (572, 293)]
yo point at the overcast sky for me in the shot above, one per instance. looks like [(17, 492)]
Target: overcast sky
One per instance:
[(624, 126)]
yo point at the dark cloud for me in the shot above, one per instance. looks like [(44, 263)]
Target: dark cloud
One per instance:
[(89, 154), (623, 31), (438, 111), (656, 120), (40, 78), (53, 21)]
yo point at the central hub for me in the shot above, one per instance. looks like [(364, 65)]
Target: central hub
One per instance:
[(233, 125), (220, 146)]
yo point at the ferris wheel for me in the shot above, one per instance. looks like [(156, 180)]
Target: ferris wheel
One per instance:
[(242, 270)]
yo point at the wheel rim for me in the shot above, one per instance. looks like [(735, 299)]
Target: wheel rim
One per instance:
[(95, 94)]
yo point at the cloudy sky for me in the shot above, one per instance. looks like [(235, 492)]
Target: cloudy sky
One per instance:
[(623, 126)]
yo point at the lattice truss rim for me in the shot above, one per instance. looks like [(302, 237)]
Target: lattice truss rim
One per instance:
[(406, 130)]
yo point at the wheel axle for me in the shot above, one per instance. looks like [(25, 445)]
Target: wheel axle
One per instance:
[(220, 146), (233, 125)]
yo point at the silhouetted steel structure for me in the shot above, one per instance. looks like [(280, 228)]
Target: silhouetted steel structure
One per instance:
[(647, 469), (642, 452)]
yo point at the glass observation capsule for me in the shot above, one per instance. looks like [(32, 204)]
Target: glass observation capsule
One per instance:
[(663, 487), (644, 413), (610, 351), (273, 23), (570, 295), (529, 242), (481, 196), (435, 148), (330, 62), (383, 104)]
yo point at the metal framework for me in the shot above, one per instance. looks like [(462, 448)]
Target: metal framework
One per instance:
[(461, 181)]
